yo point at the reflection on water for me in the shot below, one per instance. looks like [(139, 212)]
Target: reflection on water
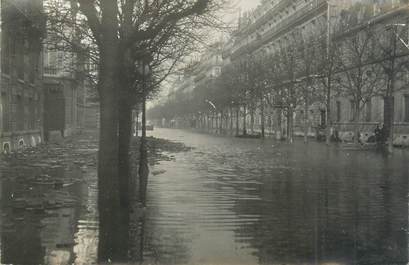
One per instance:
[(235, 201), (45, 216), (227, 201)]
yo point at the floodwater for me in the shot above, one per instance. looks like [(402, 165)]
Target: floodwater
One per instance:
[(238, 201), (227, 201), (48, 210)]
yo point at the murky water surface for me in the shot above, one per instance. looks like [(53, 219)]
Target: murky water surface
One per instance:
[(232, 201)]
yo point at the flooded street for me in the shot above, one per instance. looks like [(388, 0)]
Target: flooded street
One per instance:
[(237, 201), (225, 201), (48, 205)]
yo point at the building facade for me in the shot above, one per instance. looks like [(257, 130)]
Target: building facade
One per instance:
[(65, 93), (197, 78), (22, 30), (277, 23), (307, 67)]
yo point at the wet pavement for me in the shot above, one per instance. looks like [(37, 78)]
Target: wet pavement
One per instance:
[(48, 204), (225, 201)]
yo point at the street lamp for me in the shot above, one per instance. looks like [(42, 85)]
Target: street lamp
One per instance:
[(328, 58), (214, 108), (144, 70), (211, 104)]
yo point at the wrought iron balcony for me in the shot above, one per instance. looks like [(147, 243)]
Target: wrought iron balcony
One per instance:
[(285, 25), (50, 71)]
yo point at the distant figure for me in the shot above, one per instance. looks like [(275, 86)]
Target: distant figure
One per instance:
[(335, 136), (360, 138), (383, 134), (377, 133)]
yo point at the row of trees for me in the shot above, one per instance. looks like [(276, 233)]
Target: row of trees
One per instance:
[(358, 63)]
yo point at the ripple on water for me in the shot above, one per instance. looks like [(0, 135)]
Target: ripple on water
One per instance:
[(232, 201)]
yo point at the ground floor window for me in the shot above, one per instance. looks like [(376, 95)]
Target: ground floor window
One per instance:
[(368, 114), (323, 116), (352, 110), (6, 112), (406, 108), (338, 111), (20, 113)]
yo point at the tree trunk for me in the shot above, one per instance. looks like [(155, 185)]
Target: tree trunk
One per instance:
[(356, 121), (231, 120), (244, 120), (113, 220), (329, 120), (262, 118), (290, 125), (306, 121), (217, 123), (143, 160), (221, 122), (237, 120), (252, 120), (390, 99), (137, 123), (278, 127), (389, 110)]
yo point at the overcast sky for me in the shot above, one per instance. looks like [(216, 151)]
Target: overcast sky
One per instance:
[(242, 5), (248, 4), (230, 16)]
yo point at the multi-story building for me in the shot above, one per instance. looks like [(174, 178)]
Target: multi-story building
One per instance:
[(388, 23), (22, 30), (198, 75), (276, 23), (64, 77), (64, 92)]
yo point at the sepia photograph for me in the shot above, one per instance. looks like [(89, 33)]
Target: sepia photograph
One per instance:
[(204, 132)]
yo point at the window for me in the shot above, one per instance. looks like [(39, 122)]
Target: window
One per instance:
[(20, 113), (338, 111), (323, 116), (6, 114), (32, 114), (20, 51), (406, 108), (352, 110), (5, 55), (368, 111), (32, 67), (388, 105)]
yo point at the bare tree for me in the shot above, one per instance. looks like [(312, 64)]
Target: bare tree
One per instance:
[(123, 32), (287, 73), (359, 77), (306, 48), (393, 63), (326, 69)]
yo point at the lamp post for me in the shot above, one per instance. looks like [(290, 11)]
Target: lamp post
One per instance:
[(389, 108), (144, 70), (329, 73), (145, 76), (214, 110)]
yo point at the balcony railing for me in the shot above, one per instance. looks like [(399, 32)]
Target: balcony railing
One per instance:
[(57, 72), (281, 27), (50, 71), (270, 14)]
